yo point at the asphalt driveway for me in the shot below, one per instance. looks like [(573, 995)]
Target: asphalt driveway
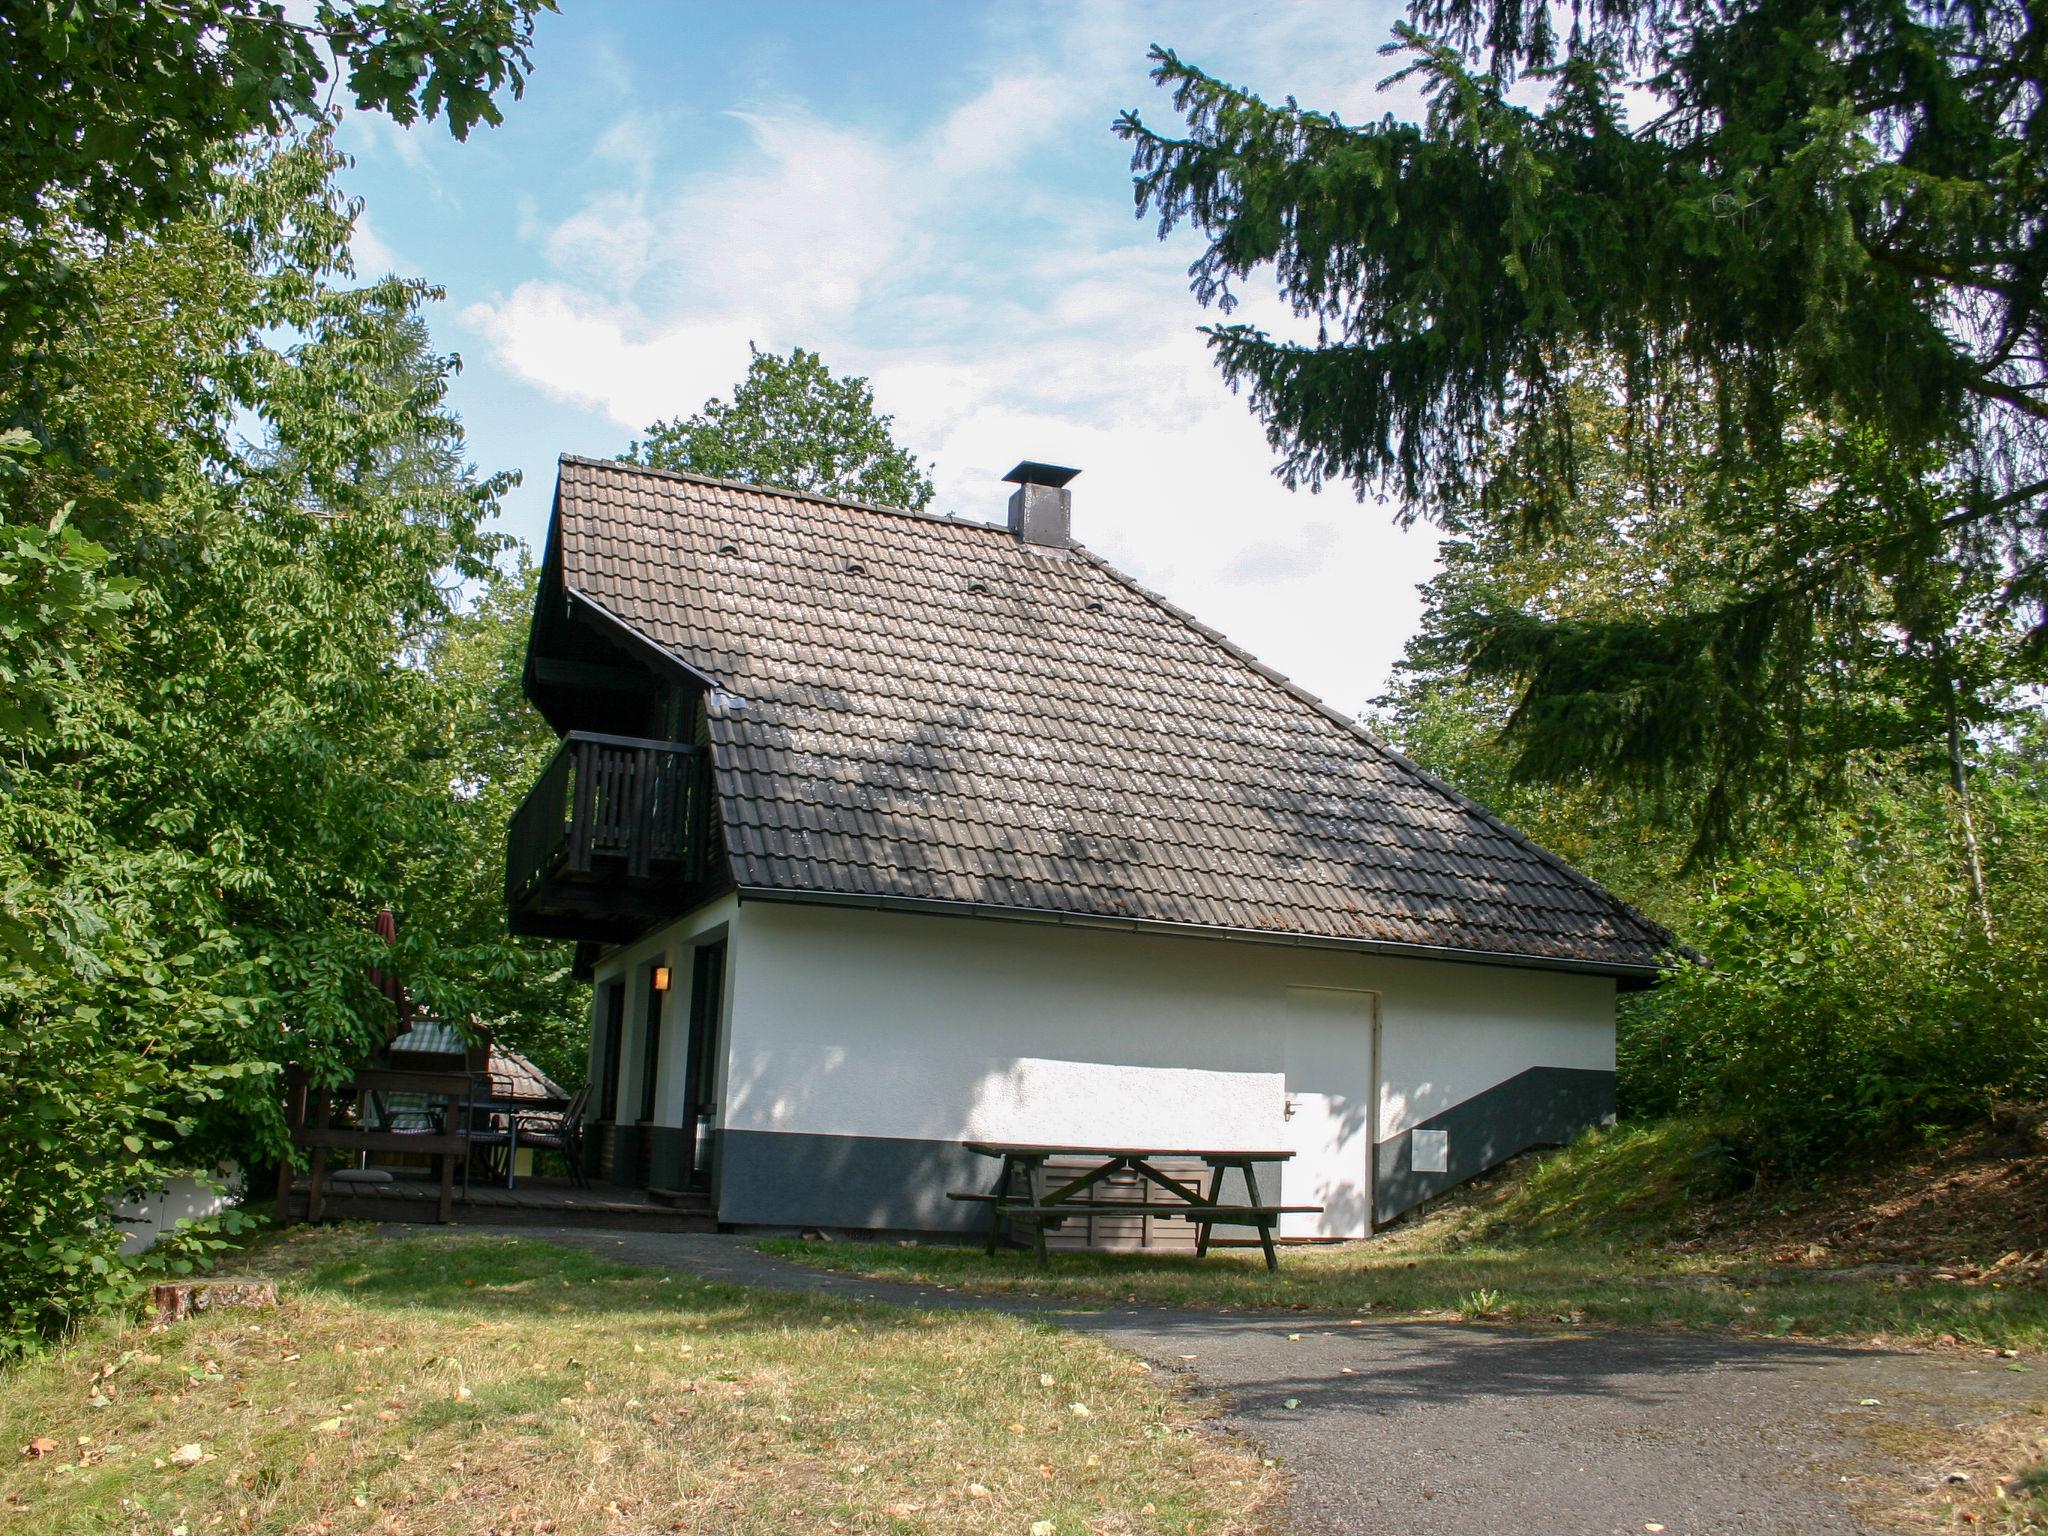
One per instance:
[(1449, 1428)]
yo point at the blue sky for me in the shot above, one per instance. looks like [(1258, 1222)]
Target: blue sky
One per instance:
[(928, 194)]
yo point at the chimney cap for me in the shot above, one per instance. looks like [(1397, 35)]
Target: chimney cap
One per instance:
[(1030, 472)]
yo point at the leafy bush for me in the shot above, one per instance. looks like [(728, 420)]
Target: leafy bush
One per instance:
[(1853, 999)]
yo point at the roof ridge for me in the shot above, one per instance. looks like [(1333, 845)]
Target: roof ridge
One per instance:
[(1379, 744), (690, 477)]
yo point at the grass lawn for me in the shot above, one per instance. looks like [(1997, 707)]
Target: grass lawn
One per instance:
[(1534, 1283), (485, 1384), (1620, 1229)]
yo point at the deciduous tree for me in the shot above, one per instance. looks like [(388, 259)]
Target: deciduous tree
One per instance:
[(226, 755), (793, 423)]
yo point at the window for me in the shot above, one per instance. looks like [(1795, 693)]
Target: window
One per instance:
[(611, 1031), (650, 1048)]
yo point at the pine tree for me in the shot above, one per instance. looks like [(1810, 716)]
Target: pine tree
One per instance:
[(1813, 276)]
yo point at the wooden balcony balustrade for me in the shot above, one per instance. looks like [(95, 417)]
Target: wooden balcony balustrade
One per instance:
[(612, 833)]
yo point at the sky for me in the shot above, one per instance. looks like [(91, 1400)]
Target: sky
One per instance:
[(928, 194)]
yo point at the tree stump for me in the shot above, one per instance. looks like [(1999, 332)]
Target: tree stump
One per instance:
[(177, 1300)]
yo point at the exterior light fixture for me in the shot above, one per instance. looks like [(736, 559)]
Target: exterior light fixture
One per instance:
[(661, 978)]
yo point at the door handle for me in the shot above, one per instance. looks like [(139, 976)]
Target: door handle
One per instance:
[(1287, 1111)]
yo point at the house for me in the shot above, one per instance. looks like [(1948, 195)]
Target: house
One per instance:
[(880, 831)]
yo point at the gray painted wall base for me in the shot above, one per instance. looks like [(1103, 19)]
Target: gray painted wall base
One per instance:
[(796, 1179), (1543, 1106), (885, 1183)]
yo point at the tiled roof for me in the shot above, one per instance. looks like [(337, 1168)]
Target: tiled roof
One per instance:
[(513, 1076), (913, 707)]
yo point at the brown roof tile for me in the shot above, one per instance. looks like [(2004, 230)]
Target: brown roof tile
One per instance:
[(968, 719)]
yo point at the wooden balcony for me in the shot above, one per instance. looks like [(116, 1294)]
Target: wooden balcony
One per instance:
[(614, 836)]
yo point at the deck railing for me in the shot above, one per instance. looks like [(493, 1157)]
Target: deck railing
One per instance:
[(612, 806)]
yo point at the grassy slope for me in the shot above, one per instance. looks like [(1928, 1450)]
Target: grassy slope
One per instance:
[(442, 1383), (1609, 1231)]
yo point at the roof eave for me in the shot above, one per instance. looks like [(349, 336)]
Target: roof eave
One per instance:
[(1631, 977)]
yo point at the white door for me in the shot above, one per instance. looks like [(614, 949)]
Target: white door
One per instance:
[(1330, 1071)]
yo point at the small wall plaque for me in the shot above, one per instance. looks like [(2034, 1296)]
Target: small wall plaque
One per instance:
[(1429, 1151)]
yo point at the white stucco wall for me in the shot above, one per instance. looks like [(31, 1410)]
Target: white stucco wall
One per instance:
[(670, 946), (853, 1022), (871, 1034), (1448, 1032)]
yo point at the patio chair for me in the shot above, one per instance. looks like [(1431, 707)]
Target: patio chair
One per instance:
[(559, 1132), (490, 1134)]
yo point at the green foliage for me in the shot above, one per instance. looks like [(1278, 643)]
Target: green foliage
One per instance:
[(1632, 643), (1854, 998), (493, 745), (217, 750), (1800, 308), (221, 754), (117, 117), (792, 423), (1853, 1002)]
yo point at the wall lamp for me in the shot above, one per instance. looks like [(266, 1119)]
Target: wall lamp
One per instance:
[(661, 978)]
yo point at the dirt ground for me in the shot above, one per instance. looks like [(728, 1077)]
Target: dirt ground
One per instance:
[(1974, 1210)]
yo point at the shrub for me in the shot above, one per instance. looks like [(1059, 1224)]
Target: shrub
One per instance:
[(1853, 1000)]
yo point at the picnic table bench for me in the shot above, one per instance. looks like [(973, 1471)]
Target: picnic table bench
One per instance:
[(1018, 1193)]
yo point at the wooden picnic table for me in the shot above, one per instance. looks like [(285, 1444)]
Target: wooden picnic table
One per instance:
[(1018, 1192)]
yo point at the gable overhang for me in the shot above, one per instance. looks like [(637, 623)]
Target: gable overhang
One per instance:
[(650, 651), (557, 605), (1628, 978)]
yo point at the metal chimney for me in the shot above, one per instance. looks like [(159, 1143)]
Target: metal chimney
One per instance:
[(1042, 508)]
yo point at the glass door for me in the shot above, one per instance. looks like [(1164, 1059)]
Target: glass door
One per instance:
[(700, 1072)]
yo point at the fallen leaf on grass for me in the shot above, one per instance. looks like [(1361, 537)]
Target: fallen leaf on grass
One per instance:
[(42, 1445), (1078, 1410), (188, 1455), (1042, 1528), (976, 1491)]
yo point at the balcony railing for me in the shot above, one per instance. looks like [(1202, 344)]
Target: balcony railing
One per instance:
[(609, 817)]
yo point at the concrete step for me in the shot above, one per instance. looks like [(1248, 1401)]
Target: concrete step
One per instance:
[(694, 1200)]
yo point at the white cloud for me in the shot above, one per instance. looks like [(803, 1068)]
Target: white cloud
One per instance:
[(1271, 560), (609, 242), (372, 256), (591, 352), (1000, 314)]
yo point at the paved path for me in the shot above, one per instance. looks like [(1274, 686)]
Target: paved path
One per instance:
[(1444, 1429)]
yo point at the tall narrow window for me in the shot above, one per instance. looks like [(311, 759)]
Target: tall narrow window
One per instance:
[(612, 1030), (650, 1050), (700, 1067)]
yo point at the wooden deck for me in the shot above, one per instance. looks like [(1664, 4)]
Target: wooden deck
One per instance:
[(535, 1203)]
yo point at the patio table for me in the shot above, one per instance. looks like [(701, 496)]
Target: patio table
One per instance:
[(1023, 1164), (485, 1134)]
